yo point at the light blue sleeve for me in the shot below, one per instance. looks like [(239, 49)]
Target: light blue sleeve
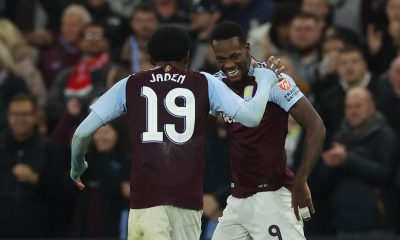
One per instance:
[(112, 103), (285, 93), (249, 113), (222, 98)]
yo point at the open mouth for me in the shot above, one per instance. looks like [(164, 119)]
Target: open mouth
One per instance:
[(233, 73)]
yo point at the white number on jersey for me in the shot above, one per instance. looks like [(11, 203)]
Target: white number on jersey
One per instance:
[(187, 112)]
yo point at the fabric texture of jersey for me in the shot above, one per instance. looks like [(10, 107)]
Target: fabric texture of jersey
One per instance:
[(167, 110), (258, 158)]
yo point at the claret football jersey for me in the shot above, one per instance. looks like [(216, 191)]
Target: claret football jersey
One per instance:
[(258, 158), (167, 108)]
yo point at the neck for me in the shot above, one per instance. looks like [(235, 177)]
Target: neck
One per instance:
[(172, 63)]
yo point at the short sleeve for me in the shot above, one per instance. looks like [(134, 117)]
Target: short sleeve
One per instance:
[(222, 99), (112, 103), (286, 93)]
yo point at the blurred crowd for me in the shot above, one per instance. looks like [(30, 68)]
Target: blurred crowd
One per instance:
[(57, 57)]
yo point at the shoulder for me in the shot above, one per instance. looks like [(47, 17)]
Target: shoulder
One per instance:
[(219, 75)]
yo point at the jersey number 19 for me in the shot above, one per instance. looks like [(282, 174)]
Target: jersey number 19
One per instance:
[(187, 112)]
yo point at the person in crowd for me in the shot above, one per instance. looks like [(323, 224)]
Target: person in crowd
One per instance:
[(388, 95), (249, 13), (25, 58), (271, 38), (319, 8), (304, 35), (143, 23), (204, 16), (10, 84), (363, 168), (31, 176), (88, 78), (65, 53), (384, 41), (172, 12), (114, 24), (97, 210), (352, 71)]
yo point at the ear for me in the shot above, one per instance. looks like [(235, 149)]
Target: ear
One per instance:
[(247, 47)]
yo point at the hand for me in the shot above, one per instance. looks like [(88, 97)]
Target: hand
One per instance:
[(374, 39), (79, 184), (126, 189), (336, 156), (76, 173), (273, 63), (301, 198), (24, 173)]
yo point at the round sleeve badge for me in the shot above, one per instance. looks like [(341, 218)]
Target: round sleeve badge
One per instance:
[(284, 84)]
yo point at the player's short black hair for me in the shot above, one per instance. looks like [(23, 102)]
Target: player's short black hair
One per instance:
[(226, 30), (169, 43)]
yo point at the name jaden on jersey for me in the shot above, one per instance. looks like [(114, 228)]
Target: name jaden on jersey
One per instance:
[(165, 77)]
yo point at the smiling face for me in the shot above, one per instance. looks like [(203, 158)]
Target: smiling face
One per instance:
[(233, 57)]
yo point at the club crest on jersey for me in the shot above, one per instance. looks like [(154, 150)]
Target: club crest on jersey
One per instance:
[(227, 119), (284, 84), (167, 68), (248, 93)]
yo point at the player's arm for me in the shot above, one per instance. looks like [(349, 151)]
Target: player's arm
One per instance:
[(108, 107), (248, 113), (306, 116)]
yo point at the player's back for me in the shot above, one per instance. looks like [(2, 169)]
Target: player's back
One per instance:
[(167, 108)]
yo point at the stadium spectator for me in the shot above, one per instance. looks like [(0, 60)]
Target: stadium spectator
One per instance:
[(305, 35), (203, 18), (327, 67), (388, 95), (114, 24), (352, 71), (271, 38), (31, 178), (364, 168), (10, 84), (172, 12), (143, 23), (384, 41), (25, 58), (65, 53), (87, 79), (319, 8), (249, 13), (97, 210)]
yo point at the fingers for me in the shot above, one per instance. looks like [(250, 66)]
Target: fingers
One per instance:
[(79, 184), (310, 206), (296, 211), (270, 61), (280, 70)]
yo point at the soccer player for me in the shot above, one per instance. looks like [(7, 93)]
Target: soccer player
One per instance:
[(264, 191), (168, 108)]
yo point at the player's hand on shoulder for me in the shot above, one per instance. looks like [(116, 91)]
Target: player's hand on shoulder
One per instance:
[(274, 64)]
